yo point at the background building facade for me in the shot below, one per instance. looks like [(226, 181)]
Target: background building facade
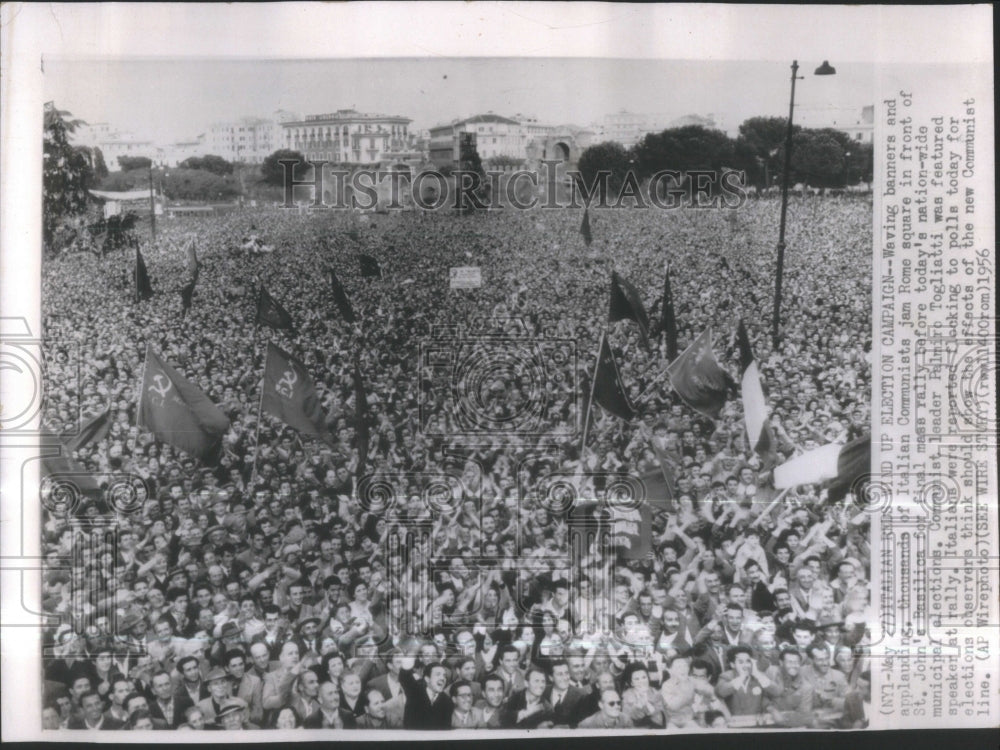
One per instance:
[(347, 136)]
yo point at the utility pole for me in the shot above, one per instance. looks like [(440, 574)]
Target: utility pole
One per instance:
[(152, 203)]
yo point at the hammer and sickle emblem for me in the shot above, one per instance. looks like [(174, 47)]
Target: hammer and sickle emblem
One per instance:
[(286, 386), (161, 385)]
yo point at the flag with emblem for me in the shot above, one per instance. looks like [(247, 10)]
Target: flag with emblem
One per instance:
[(585, 227), (698, 379), (340, 297), (177, 412), (270, 312), (290, 394), (370, 268), (626, 304), (759, 432)]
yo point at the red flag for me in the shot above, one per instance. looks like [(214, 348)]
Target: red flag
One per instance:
[(698, 379), (143, 287), (177, 412), (94, 430), (668, 323), (290, 395), (626, 304), (271, 312), (606, 389), (609, 391)]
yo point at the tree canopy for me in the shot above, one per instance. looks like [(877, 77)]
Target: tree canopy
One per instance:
[(66, 176), (211, 163), (128, 163), (684, 149), (274, 173), (608, 156)]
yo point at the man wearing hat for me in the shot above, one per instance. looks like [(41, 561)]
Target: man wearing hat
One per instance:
[(220, 689), (829, 634), (232, 715)]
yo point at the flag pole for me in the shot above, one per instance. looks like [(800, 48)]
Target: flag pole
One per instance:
[(138, 399), (260, 409), (590, 398), (770, 506)]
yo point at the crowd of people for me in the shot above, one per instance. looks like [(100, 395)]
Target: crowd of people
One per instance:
[(439, 579)]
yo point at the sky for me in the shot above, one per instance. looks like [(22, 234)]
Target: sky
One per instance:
[(175, 99)]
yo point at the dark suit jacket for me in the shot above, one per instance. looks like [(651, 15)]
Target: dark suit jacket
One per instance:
[(182, 701), (158, 718), (420, 713), (78, 722), (518, 702), (565, 712), (587, 706)]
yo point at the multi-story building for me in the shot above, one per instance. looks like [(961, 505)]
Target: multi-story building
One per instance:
[(628, 128), (495, 136), (248, 140), (172, 154), (347, 136), (112, 143), (125, 144), (91, 134), (858, 125)]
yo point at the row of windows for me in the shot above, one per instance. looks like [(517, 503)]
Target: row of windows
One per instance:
[(394, 130)]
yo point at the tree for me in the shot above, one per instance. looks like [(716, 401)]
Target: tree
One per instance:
[(859, 163), (692, 147), (818, 157), (66, 176), (470, 162), (199, 185), (759, 147), (608, 156), (211, 163), (128, 163), (100, 168), (274, 173)]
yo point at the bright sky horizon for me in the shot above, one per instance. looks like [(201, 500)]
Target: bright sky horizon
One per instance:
[(169, 100)]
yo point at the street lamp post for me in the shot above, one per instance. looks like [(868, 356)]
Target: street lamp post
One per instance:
[(152, 203), (823, 70)]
